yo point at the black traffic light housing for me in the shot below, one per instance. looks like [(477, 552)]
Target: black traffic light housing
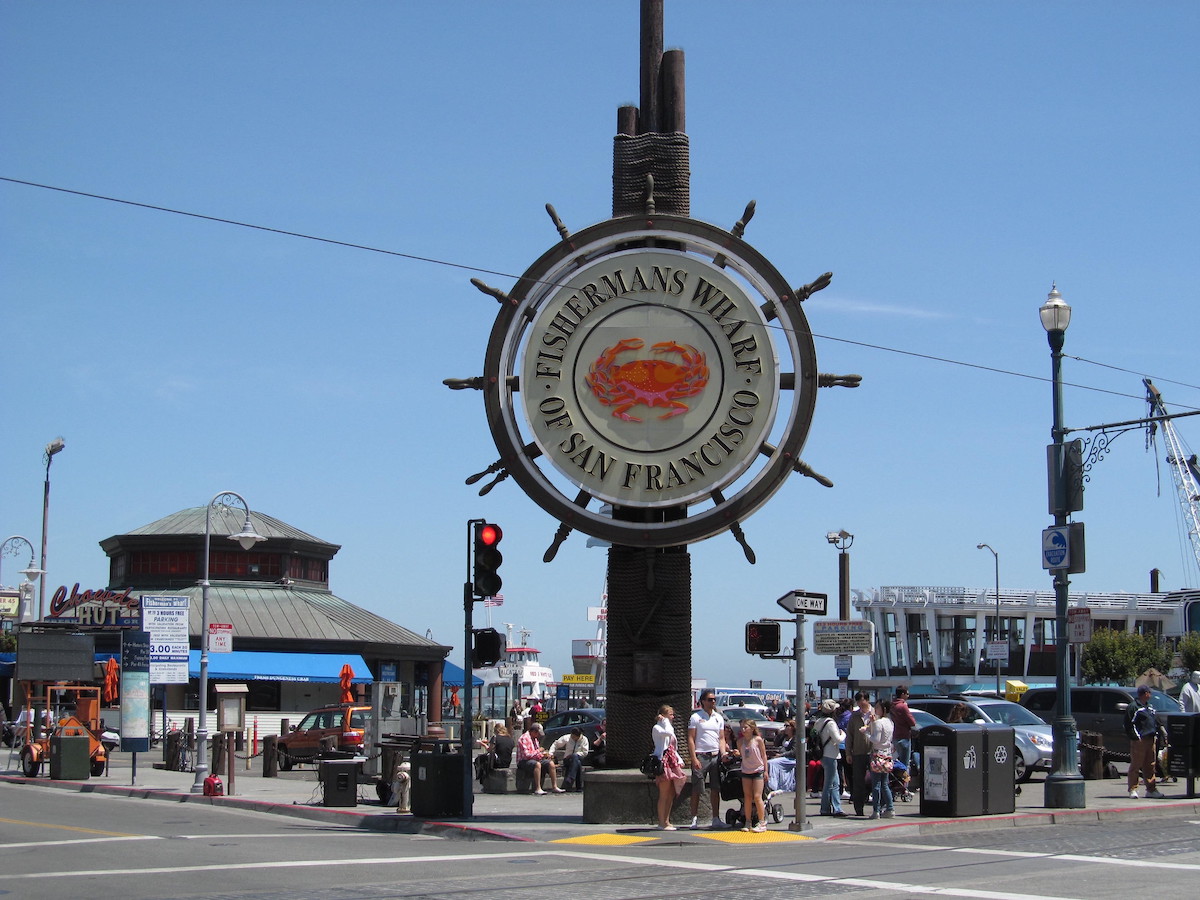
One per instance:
[(486, 575), (488, 649), (762, 638)]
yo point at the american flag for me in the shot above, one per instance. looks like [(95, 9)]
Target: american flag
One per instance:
[(497, 600)]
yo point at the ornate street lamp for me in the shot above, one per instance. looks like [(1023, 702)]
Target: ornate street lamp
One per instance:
[(247, 537), (996, 628), (54, 447), (11, 547), (1064, 784)]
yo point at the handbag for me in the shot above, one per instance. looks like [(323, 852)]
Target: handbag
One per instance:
[(881, 762), (652, 766)]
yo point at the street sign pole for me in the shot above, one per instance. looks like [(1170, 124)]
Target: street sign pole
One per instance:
[(798, 603)]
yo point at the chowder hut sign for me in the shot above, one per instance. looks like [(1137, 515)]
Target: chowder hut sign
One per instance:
[(95, 609)]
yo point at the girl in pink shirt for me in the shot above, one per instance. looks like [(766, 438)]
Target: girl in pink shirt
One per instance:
[(754, 765)]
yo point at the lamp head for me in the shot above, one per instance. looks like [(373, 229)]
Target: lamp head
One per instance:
[(55, 446), (1055, 313), (836, 536)]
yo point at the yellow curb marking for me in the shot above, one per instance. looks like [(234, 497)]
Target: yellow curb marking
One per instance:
[(68, 828), (756, 837), (604, 839)]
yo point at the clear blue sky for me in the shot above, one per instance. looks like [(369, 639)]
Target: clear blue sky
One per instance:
[(947, 161)]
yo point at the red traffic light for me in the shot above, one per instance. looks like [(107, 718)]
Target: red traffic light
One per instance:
[(490, 535)]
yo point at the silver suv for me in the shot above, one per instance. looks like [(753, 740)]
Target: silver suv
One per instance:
[(1034, 740)]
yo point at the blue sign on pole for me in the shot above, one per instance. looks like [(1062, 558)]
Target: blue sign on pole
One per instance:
[(1056, 547), (135, 691)]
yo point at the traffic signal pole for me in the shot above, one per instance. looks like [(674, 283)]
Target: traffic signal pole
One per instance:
[(467, 734)]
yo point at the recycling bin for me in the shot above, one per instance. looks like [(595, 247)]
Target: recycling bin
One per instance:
[(70, 758), (999, 770), (339, 781), (437, 784), (1183, 735), (952, 775)]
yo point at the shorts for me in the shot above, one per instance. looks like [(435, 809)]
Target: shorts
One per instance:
[(526, 765), (709, 765), (746, 776)]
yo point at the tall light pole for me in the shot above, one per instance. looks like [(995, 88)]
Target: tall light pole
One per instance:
[(52, 448), (247, 537), (1064, 784), (842, 540), (996, 627)]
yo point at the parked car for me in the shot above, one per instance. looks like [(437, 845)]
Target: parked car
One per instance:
[(587, 719), (1033, 737), (767, 728), (1098, 709), (345, 723), (749, 701)]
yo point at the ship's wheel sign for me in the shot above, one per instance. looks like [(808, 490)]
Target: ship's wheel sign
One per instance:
[(654, 363)]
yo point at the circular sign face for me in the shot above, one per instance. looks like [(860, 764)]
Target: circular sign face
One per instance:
[(644, 361), (649, 378)]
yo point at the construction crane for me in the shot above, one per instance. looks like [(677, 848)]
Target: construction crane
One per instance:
[(1184, 468)]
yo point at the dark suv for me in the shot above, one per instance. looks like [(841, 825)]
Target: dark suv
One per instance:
[(345, 724), (1098, 709)]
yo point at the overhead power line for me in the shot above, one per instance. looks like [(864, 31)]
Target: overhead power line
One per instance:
[(469, 268)]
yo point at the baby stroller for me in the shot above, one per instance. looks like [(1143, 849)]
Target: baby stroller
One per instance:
[(731, 789), (899, 783)]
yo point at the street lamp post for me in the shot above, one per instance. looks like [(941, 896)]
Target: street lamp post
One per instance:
[(52, 448), (842, 539), (247, 537), (10, 547), (996, 626), (1064, 784)]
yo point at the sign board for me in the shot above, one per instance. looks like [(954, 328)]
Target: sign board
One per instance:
[(1079, 625), (220, 637), (135, 691), (849, 636), (9, 603), (808, 602), (597, 613), (56, 656), (572, 678), (1056, 548), (997, 650), (842, 664), (166, 621)]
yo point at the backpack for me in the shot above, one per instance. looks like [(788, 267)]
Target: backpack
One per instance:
[(816, 743), (1130, 728)]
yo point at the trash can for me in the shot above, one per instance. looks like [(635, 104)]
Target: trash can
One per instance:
[(1183, 735), (339, 781), (999, 769), (952, 770), (437, 783), (71, 758)]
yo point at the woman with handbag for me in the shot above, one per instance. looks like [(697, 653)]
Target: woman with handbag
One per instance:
[(670, 782), (880, 732)]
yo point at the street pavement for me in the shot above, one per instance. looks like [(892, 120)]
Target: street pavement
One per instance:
[(559, 817)]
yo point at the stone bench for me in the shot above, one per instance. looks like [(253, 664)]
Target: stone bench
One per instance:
[(511, 781)]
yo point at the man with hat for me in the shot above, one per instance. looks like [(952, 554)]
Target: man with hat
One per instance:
[(1143, 727)]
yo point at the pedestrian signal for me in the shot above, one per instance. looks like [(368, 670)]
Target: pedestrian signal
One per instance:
[(762, 638), (488, 649)]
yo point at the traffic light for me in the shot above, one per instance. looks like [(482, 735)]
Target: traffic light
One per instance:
[(489, 647), (762, 638), (487, 581)]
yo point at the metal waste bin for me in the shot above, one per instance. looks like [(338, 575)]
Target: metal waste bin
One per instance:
[(339, 781), (71, 758), (999, 769), (952, 770), (437, 783), (1183, 734)]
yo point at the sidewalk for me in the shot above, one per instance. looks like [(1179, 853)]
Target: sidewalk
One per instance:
[(558, 817)]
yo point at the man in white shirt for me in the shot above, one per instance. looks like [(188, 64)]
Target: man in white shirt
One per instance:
[(1190, 695), (568, 751), (706, 743)]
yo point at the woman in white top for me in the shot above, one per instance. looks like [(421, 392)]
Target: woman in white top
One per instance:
[(754, 767), (672, 779), (880, 731)]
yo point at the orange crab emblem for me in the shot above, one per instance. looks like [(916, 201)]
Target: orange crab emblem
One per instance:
[(648, 382)]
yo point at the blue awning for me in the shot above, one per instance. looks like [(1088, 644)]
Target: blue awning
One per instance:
[(249, 665), (452, 676)]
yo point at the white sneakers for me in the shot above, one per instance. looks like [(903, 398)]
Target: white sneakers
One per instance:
[(1133, 795), (695, 823)]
